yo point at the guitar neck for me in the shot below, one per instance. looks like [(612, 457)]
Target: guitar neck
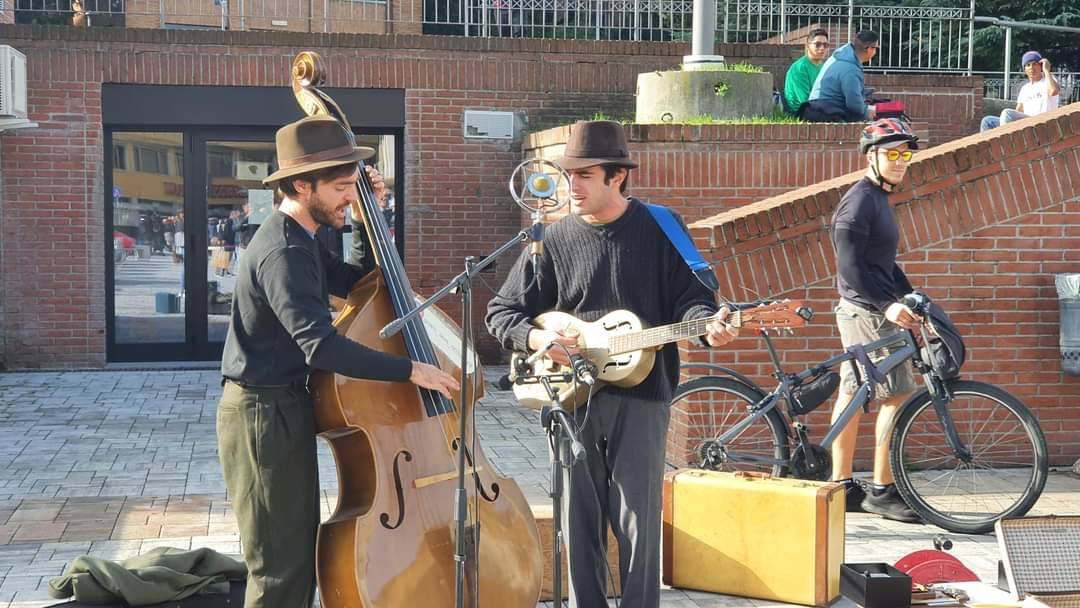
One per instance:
[(657, 336)]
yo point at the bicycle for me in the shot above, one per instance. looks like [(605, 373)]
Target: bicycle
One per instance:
[(964, 453)]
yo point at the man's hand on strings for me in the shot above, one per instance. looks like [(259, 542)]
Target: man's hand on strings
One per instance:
[(429, 376), (719, 332), (378, 186), (565, 341)]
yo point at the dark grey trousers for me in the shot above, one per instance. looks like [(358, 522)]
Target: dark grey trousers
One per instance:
[(621, 482), (266, 442)]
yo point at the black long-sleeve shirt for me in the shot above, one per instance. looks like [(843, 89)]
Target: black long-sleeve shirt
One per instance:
[(590, 270), (281, 327), (865, 237)]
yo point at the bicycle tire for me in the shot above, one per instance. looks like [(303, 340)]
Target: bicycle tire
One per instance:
[(1016, 440), (729, 403)]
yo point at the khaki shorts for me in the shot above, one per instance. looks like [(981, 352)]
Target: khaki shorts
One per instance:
[(860, 326)]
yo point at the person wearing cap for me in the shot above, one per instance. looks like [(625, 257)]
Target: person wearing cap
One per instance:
[(1041, 93), (279, 331), (865, 236), (608, 254)]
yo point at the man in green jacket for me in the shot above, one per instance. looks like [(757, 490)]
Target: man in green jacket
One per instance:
[(802, 73)]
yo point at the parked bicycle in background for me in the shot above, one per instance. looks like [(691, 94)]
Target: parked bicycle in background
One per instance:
[(964, 453)]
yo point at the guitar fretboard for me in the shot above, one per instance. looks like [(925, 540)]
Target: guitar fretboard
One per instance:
[(648, 338)]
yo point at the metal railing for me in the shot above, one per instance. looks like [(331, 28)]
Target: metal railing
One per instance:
[(911, 38), (925, 38)]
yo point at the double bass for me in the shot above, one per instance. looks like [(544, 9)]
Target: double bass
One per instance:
[(391, 541)]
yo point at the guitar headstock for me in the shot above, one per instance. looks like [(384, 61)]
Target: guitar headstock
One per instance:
[(780, 314)]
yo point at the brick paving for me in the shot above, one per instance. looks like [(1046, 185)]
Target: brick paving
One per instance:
[(114, 463)]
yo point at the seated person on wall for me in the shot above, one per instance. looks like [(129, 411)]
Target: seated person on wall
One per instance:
[(838, 94), (802, 74), (1039, 94)]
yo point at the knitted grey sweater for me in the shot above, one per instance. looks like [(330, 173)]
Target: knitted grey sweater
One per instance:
[(590, 270)]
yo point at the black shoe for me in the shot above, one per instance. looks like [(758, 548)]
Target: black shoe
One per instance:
[(854, 495), (887, 503)]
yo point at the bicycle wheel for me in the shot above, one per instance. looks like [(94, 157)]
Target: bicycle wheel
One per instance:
[(713, 405), (1004, 475)]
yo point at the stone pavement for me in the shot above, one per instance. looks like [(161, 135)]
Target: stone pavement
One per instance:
[(114, 463)]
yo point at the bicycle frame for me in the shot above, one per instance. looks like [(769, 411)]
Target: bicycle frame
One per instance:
[(908, 350)]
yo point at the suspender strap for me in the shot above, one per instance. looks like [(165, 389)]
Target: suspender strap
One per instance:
[(681, 240)]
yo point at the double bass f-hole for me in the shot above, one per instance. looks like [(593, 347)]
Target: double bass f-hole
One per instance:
[(457, 445), (384, 518)]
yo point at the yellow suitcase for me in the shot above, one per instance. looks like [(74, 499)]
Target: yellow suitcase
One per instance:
[(753, 535)]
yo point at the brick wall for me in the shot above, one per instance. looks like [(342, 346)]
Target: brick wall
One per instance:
[(986, 221), (703, 170), (950, 106), (3, 299), (52, 226), (7, 11), (52, 229), (453, 187)]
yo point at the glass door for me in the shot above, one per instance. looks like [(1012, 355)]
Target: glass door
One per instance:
[(184, 205), (236, 202), (145, 251)]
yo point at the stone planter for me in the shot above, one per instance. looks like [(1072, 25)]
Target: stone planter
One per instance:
[(678, 96)]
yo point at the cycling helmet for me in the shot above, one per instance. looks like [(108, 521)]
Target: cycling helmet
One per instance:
[(887, 130)]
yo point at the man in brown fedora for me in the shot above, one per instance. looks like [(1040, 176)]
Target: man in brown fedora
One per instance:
[(280, 330), (609, 254)]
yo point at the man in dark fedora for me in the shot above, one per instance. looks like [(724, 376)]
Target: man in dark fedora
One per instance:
[(280, 330), (609, 254)]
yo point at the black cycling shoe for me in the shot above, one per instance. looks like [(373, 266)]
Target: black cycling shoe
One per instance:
[(888, 503), (854, 496)]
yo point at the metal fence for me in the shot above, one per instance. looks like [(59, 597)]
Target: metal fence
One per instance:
[(911, 38)]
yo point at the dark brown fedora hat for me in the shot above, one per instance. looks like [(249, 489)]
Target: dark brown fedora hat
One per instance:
[(596, 142), (313, 143)]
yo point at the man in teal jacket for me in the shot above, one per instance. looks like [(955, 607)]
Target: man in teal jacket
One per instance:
[(802, 74), (839, 94)]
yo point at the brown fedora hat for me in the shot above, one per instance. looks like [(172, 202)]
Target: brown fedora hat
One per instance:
[(595, 142), (314, 143)]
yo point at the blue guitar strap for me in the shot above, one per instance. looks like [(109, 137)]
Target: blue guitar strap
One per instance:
[(681, 240)]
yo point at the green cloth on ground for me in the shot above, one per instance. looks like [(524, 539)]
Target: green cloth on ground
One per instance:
[(799, 81), (161, 575)]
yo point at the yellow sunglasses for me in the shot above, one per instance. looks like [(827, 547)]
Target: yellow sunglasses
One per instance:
[(895, 155)]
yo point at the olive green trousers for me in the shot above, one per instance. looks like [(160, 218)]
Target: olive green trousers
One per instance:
[(266, 442)]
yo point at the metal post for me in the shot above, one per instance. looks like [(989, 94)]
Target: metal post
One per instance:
[(704, 40), (326, 16), (161, 6), (599, 16), (726, 11), (224, 14), (637, 20), (971, 38), (850, 17), (243, 21), (1008, 61), (783, 21)]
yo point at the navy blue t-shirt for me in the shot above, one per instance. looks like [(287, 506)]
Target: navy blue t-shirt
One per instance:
[(865, 237)]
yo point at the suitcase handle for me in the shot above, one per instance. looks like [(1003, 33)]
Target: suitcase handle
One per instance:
[(752, 475)]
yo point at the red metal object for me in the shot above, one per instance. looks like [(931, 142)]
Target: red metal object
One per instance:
[(930, 566)]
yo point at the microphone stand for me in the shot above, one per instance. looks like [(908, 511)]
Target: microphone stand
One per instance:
[(462, 283), (557, 421)]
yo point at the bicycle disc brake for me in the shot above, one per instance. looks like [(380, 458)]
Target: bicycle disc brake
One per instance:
[(817, 467)]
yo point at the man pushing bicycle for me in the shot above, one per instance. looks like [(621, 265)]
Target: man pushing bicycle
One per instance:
[(865, 235)]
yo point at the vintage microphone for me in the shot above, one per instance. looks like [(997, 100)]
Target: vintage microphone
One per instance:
[(534, 184)]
